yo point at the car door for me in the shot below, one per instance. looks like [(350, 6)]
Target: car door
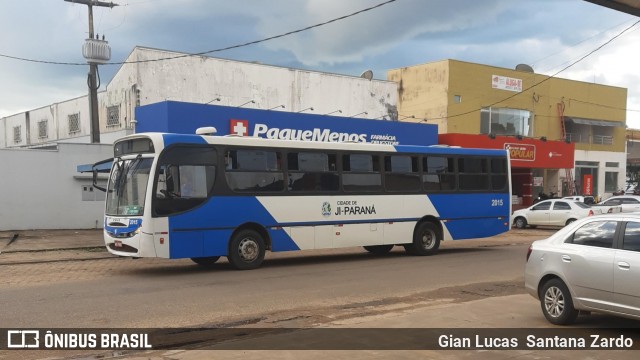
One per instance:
[(539, 213), (587, 263), (630, 204), (560, 213), (626, 271)]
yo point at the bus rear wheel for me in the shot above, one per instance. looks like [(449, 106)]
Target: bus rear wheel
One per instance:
[(205, 261), (246, 250), (426, 240), (379, 249)]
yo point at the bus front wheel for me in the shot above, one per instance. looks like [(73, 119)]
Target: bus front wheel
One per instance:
[(426, 240), (246, 250)]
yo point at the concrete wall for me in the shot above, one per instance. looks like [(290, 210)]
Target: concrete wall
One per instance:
[(43, 190), (423, 93), (8, 124), (201, 79)]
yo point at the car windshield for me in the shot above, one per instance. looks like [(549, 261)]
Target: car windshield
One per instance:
[(582, 205), (128, 186)]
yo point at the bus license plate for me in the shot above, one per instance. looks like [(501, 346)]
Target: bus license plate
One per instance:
[(118, 244)]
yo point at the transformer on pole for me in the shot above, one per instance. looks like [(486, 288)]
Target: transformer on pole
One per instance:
[(96, 52)]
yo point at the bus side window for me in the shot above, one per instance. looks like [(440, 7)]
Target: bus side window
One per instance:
[(254, 171), (361, 172)]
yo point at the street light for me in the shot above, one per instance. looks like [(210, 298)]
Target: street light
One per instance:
[(275, 107), (333, 112), (216, 99), (362, 113), (248, 102), (309, 108), (408, 117)]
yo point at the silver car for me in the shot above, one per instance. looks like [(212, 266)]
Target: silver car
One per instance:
[(591, 265)]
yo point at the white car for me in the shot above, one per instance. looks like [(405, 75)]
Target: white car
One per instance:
[(589, 200), (592, 265), (553, 212), (628, 203)]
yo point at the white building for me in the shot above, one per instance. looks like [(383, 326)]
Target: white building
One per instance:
[(143, 80), (149, 76)]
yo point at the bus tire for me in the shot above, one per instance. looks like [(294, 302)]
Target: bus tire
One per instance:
[(246, 250), (379, 249), (206, 261), (426, 240)]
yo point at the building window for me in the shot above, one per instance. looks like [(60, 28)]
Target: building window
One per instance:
[(17, 136), (42, 129), (610, 181), (505, 121), (113, 115), (74, 123), (457, 99), (612, 164)]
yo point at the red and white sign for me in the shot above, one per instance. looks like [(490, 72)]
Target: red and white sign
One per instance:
[(239, 127), (506, 83), (587, 184)]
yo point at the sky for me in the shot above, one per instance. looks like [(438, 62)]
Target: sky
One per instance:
[(548, 35)]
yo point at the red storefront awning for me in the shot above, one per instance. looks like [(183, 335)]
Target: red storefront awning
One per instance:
[(525, 152)]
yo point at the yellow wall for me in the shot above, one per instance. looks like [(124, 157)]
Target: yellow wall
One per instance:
[(428, 90), (422, 93)]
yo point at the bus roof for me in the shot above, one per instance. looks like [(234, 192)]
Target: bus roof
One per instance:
[(165, 139)]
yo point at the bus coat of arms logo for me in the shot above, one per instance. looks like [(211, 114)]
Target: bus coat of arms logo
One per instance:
[(326, 209)]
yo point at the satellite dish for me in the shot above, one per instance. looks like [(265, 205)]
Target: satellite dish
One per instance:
[(524, 68), (367, 75)]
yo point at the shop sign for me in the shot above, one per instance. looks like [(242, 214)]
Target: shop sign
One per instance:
[(587, 184), (523, 152), (506, 83)]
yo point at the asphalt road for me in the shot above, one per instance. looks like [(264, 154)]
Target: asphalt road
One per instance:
[(475, 283), (155, 292)]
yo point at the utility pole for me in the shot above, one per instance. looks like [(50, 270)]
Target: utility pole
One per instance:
[(95, 52)]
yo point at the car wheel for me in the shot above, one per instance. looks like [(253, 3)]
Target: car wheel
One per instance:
[(246, 250), (521, 223), (205, 261), (379, 249), (426, 240), (569, 222), (556, 303)]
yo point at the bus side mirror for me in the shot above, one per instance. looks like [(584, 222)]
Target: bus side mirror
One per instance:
[(97, 168)]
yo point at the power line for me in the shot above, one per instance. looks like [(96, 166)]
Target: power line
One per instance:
[(210, 51)]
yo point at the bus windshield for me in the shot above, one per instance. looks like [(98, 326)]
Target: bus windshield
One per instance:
[(127, 186)]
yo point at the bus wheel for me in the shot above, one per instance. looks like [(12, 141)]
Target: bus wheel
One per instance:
[(246, 250), (378, 249), (205, 261), (426, 240)]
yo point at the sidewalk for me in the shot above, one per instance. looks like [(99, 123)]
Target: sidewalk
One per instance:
[(28, 246)]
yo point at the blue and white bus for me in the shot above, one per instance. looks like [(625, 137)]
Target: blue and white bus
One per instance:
[(204, 196)]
